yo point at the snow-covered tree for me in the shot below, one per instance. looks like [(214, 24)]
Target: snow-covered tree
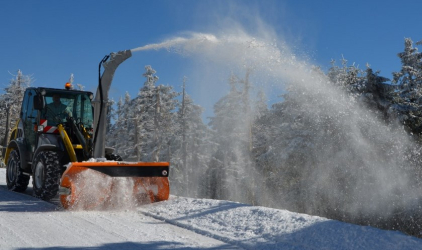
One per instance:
[(10, 103), (229, 166), (410, 75), (155, 117), (121, 136), (346, 77), (408, 98), (189, 148), (110, 114), (366, 86)]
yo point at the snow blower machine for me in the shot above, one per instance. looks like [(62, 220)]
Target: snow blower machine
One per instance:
[(59, 140)]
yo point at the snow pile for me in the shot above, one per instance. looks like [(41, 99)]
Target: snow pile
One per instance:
[(265, 228)]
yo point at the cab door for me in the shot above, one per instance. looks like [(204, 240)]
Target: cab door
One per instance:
[(29, 120)]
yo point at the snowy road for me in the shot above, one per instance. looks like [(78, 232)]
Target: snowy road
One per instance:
[(180, 223), (28, 223)]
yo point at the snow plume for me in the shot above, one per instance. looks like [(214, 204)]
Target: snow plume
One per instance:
[(346, 162), (236, 50), (181, 44)]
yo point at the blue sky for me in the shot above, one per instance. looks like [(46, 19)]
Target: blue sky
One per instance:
[(52, 39)]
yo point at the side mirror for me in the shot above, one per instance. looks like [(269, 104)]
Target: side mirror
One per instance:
[(38, 102)]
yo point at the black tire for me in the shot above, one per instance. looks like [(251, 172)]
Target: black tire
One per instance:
[(15, 178), (46, 175), (113, 157)]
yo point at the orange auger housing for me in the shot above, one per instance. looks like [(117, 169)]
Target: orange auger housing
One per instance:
[(94, 185)]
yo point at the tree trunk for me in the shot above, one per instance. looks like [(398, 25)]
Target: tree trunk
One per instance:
[(138, 139), (184, 153), (156, 150)]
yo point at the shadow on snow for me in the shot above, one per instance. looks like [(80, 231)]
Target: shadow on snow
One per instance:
[(23, 202), (135, 245)]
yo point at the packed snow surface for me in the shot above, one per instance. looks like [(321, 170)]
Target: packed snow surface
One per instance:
[(180, 223)]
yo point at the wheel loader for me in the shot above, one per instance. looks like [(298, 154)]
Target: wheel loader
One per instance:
[(59, 141)]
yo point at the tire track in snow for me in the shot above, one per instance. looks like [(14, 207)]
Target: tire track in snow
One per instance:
[(235, 244), (117, 223), (227, 240), (233, 240), (199, 231)]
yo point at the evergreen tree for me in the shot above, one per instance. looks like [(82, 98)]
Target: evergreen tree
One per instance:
[(189, 148), (110, 114), (261, 138), (346, 77), (228, 169), (10, 104), (367, 87), (408, 98), (121, 136), (155, 118)]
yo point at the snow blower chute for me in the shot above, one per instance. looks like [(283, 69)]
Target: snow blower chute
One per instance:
[(60, 141)]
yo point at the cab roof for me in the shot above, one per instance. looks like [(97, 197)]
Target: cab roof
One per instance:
[(61, 91)]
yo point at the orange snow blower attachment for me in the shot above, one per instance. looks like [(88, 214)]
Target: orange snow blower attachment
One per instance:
[(96, 185)]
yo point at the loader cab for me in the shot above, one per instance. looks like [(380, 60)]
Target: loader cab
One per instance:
[(40, 115), (55, 105), (59, 105)]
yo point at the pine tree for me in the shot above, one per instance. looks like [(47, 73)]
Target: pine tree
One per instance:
[(408, 98), (10, 104), (367, 87), (189, 148), (155, 118), (410, 75), (121, 136), (232, 125), (346, 77)]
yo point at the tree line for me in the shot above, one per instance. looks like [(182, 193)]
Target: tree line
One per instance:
[(309, 152)]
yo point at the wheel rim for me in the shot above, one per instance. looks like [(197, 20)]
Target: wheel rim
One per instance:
[(39, 175), (12, 170)]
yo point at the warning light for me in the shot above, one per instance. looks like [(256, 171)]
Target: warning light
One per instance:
[(68, 86)]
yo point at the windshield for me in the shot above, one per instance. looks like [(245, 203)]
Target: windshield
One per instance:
[(62, 105)]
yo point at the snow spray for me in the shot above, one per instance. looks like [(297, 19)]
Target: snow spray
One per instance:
[(97, 191), (180, 44), (370, 155)]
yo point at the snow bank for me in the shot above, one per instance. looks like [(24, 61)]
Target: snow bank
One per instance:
[(265, 228)]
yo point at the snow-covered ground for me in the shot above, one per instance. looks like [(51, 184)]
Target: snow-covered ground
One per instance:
[(180, 223)]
